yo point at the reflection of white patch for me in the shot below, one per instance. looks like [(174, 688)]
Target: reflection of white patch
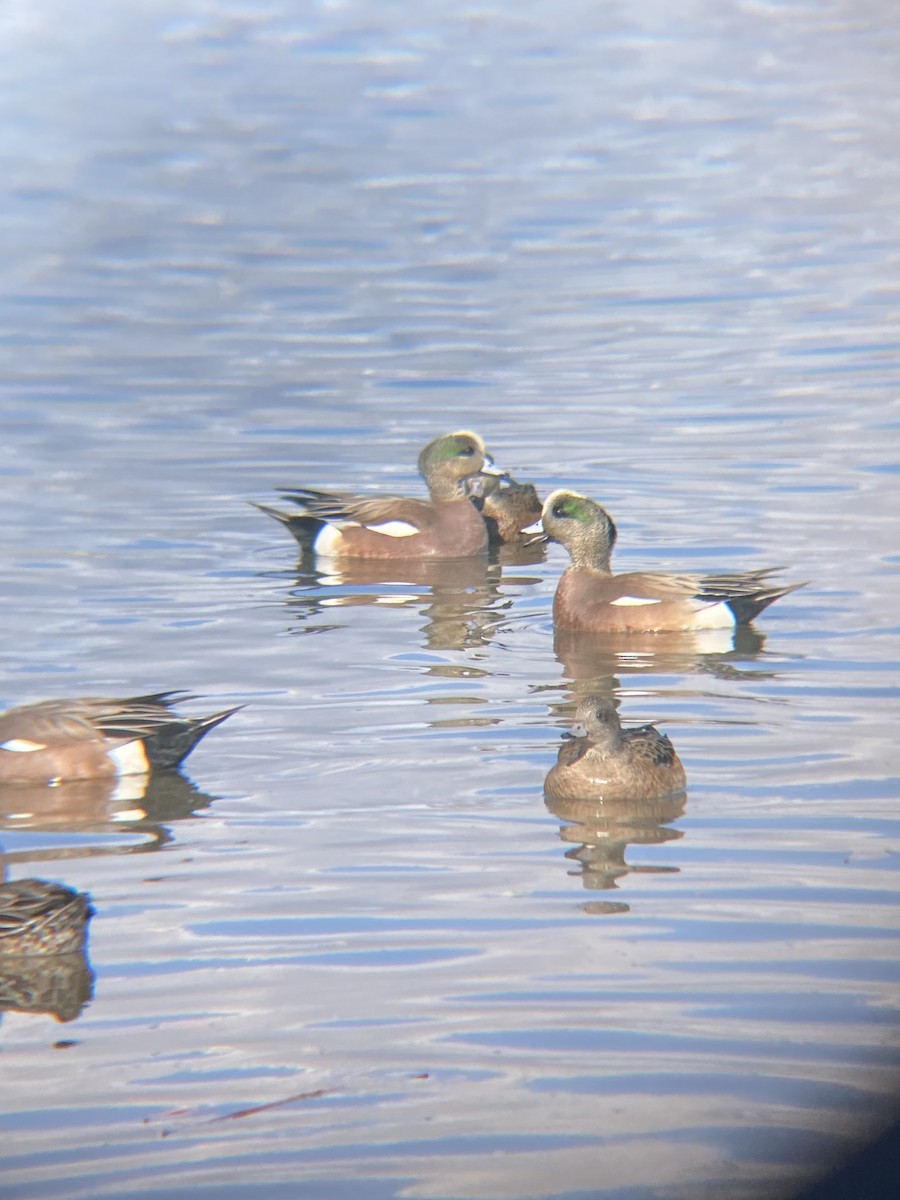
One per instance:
[(395, 529), (328, 540), (714, 641), (713, 616), (22, 745), (130, 759), (128, 814), (626, 600), (130, 788)]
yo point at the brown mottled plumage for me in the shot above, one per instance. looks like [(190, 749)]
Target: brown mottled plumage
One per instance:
[(601, 760), (507, 506), (589, 597), (37, 917), (97, 738), (447, 525)]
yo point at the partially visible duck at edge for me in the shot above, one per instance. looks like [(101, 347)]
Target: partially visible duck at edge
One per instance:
[(447, 525), (507, 506), (37, 917), (98, 738), (590, 598), (599, 760)]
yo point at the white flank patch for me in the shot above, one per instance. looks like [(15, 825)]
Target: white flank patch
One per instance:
[(395, 529), (328, 540), (635, 600), (22, 746), (713, 616), (130, 759)]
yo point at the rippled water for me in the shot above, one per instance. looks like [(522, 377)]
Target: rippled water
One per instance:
[(355, 954)]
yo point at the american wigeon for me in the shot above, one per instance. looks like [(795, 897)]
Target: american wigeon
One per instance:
[(445, 526), (508, 507), (589, 597), (37, 917), (97, 738), (602, 761)]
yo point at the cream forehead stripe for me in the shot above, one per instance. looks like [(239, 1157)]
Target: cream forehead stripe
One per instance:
[(22, 746)]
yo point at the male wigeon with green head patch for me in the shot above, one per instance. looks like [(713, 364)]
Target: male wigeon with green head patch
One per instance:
[(446, 525), (590, 598)]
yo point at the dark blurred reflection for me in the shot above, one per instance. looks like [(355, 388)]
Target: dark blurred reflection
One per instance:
[(60, 986), (526, 553), (43, 960), (460, 599), (872, 1173)]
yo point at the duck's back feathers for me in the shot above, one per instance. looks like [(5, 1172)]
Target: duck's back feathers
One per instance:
[(37, 917)]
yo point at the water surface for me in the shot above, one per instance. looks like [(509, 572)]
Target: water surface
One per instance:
[(354, 953)]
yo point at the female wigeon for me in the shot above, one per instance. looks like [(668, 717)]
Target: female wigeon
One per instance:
[(37, 917), (602, 761)]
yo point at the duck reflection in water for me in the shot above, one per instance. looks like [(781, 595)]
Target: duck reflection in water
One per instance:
[(106, 806), (612, 787), (460, 599), (43, 961), (596, 659)]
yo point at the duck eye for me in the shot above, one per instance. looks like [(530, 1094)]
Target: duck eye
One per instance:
[(468, 451), (559, 510)]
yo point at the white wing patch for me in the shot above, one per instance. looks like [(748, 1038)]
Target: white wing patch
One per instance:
[(22, 746), (626, 600), (395, 529)]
